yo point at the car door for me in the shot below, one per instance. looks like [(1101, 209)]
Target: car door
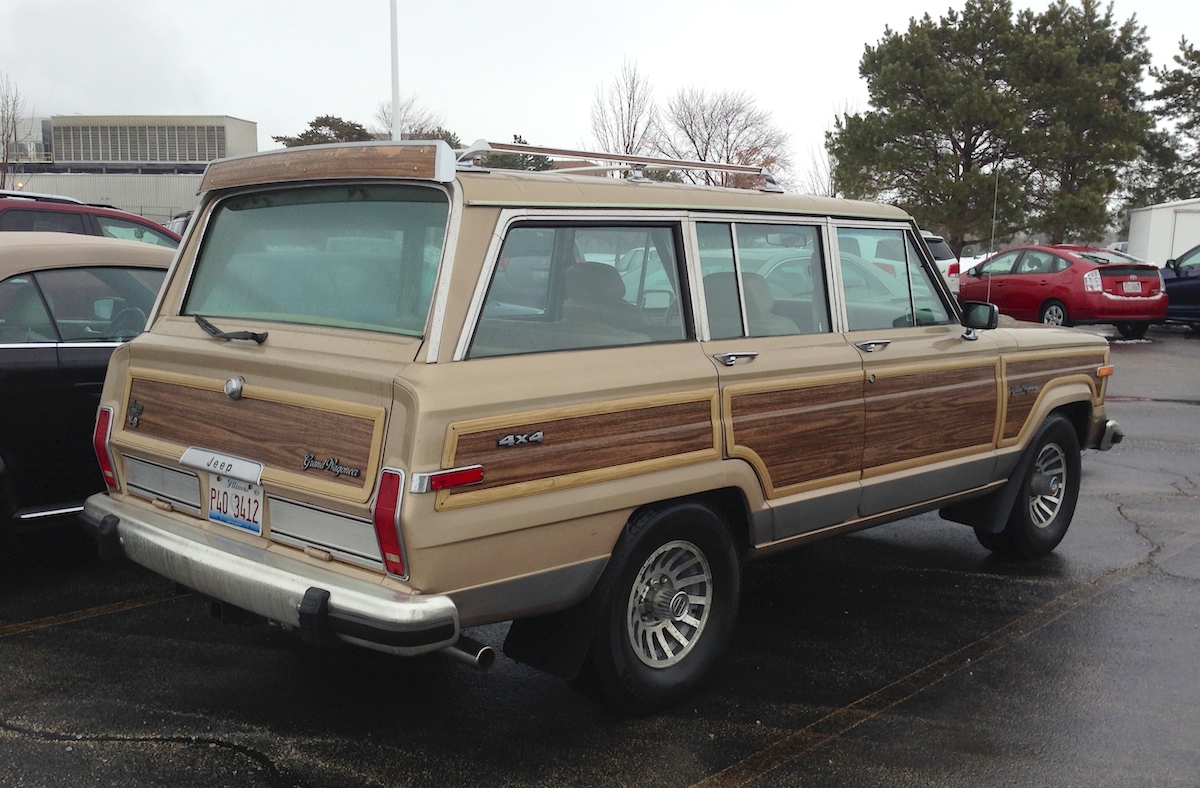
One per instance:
[(94, 309), (1030, 283), (791, 388), (32, 429), (988, 281), (930, 390)]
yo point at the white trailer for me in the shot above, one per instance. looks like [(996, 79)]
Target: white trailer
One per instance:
[(1162, 232)]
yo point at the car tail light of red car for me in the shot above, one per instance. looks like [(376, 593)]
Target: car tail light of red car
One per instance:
[(1092, 283)]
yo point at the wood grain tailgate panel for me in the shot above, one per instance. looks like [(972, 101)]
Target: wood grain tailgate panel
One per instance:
[(278, 434)]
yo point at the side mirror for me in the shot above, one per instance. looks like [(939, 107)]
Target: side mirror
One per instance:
[(102, 308), (980, 314), (1173, 265)]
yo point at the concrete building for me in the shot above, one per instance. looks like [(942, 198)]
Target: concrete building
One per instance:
[(148, 164)]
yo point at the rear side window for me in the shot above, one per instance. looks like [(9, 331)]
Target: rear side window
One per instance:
[(42, 221), (363, 257), (571, 286), (775, 288)]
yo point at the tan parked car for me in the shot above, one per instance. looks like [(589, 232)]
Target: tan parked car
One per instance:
[(387, 394)]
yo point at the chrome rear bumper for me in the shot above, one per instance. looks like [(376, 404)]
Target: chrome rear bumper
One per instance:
[(320, 603)]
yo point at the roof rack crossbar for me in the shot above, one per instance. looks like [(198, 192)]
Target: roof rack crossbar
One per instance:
[(470, 157)]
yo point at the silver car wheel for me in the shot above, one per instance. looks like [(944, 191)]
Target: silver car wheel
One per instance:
[(1047, 486), (1054, 315), (669, 604)]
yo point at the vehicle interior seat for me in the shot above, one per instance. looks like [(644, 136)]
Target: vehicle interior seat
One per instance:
[(596, 294), (720, 289), (26, 319)]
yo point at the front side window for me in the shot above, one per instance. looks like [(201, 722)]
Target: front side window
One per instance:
[(113, 227), (776, 288), (100, 304), (359, 256), (566, 286), (884, 282), (999, 265)]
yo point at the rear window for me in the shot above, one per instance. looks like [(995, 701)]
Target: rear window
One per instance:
[(361, 256)]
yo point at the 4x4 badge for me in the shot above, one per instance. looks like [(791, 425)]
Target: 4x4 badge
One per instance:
[(133, 413), (517, 440)]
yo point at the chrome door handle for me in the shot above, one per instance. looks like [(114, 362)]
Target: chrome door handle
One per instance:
[(729, 359), (871, 345)]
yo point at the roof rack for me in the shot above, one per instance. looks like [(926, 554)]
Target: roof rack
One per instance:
[(471, 157), (39, 197)]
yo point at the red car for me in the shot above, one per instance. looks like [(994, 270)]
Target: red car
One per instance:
[(24, 211), (1070, 285)]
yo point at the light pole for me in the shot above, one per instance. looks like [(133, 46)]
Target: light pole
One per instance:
[(395, 74)]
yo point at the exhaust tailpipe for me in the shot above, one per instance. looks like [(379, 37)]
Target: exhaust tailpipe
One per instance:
[(471, 652)]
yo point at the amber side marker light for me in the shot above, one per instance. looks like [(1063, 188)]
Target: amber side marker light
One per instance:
[(100, 445), (1105, 371)]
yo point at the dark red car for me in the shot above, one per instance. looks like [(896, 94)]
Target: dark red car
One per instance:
[(1070, 285), (23, 211)]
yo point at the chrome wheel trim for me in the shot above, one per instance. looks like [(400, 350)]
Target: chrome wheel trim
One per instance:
[(669, 604), (1048, 485), (1054, 315)]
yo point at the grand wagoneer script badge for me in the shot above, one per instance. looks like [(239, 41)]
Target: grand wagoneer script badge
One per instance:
[(331, 464)]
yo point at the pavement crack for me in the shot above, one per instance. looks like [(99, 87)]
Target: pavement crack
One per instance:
[(266, 764)]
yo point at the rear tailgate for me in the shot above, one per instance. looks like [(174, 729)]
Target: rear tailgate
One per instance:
[(294, 436)]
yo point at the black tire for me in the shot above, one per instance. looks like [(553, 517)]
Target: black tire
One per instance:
[(1054, 313), (1133, 330), (1046, 500), (654, 642)]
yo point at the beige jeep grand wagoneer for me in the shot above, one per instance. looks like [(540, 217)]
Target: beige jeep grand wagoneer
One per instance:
[(387, 393)]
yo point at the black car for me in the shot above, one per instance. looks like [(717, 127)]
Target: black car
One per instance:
[(1181, 277), (66, 301)]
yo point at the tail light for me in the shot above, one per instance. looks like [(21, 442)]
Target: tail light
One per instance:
[(385, 515), (100, 438), (1091, 282), (953, 269)]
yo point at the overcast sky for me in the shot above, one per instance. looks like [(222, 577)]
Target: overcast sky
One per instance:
[(491, 70)]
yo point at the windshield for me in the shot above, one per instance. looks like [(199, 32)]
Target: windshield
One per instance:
[(358, 256)]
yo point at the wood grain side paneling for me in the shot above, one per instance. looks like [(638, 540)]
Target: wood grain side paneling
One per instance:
[(276, 433), (609, 440), (1026, 381), (913, 416), (797, 436)]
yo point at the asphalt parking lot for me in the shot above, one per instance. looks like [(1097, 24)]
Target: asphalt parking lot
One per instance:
[(905, 655)]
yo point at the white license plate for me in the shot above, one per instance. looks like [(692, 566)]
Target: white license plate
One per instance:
[(1132, 287), (235, 503)]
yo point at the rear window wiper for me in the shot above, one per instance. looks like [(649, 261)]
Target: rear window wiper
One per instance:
[(212, 330)]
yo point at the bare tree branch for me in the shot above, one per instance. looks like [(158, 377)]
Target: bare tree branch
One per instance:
[(414, 119), (12, 108), (723, 127), (624, 115)]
